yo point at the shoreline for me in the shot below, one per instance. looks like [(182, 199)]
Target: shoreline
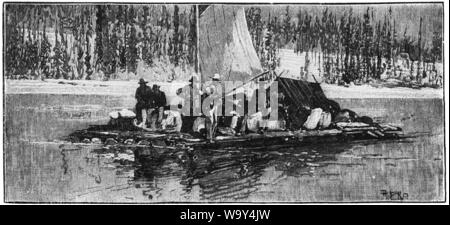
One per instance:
[(127, 89)]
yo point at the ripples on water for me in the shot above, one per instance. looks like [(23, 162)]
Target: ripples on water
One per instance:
[(39, 167)]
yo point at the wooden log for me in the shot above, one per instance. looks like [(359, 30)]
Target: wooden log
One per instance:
[(372, 134), (351, 124), (360, 129), (379, 133), (389, 127), (328, 132)]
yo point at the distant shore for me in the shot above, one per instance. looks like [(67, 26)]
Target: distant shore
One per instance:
[(127, 88)]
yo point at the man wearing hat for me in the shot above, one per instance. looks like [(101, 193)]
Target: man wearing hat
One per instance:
[(215, 93), (144, 98), (216, 77), (159, 101)]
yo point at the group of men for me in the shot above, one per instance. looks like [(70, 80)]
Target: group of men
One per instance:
[(152, 107), (150, 103)]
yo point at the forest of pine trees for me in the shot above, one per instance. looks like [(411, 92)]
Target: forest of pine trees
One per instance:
[(82, 41), (354, 48), (106, 41)]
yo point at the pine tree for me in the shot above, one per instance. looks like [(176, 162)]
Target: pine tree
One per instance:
[(99, 30), (347, 37), (359, 44), (44, 56), (174, 51), (13, 38), (57, 60), (406, 44), (419, 47), (270, 47), (192, 56), (33, 57), (436, 49), (109, 43), (89, 34), (115, 39), (393, 44), (132, 51), (286, 28), (298, 33), (378, 50), (367, 37), (65, 56), (132, 54), (122, 23), (147, 53)]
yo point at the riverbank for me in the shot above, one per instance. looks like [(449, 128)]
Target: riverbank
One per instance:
[(127, 88)]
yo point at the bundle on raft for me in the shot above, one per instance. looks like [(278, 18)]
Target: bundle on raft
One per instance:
[(305, 106)]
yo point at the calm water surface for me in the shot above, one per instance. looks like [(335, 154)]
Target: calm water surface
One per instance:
[(39, 166)]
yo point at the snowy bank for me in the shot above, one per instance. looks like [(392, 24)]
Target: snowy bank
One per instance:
[(128, 88)]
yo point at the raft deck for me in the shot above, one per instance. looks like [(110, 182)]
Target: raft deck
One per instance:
[(341, 132)]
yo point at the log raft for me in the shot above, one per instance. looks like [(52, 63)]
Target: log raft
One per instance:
[(341, 132)]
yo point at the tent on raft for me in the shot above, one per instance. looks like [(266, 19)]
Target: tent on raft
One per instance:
[(300, 97)]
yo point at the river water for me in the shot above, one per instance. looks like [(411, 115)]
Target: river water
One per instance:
[(41, 167)]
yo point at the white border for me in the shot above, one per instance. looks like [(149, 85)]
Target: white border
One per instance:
[(446, 85)]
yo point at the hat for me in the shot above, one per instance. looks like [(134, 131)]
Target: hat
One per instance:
[(193, 77), (142, 81), (155, 86), (114, 115), (216, 77)]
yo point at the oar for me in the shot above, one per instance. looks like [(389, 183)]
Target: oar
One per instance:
[(245, 83), (257, 76)]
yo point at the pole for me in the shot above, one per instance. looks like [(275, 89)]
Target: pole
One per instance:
[(197, 62)]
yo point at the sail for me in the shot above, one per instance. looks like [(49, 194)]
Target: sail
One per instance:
[(225, 45)]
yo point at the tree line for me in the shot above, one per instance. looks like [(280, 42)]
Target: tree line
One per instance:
[(78, 41), (353, 48)]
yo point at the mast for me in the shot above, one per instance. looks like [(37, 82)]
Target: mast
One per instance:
[(197, 52)]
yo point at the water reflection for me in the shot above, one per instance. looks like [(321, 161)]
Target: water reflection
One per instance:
[(333, 172), (41, 168), (228, 174)]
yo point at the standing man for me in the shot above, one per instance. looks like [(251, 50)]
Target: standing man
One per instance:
[(144, 102), (209, 108), (214, 95), (159, 103)]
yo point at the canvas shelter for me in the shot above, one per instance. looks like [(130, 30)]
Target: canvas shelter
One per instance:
[(225, 45)]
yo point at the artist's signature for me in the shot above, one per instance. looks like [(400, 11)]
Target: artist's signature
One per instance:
[(394, 195)]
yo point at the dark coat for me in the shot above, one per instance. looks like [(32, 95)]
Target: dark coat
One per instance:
[(144, 97), (159, 99)]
